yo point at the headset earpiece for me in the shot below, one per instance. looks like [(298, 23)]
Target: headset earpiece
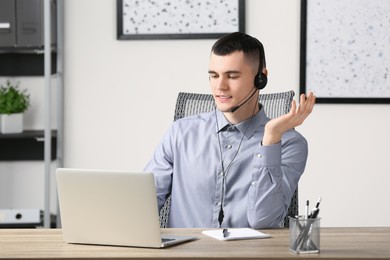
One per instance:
[(261, 80)]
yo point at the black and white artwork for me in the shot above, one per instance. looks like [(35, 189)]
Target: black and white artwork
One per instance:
[(179, 19), (346, 50)]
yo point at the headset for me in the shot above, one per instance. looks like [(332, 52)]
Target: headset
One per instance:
[(260, 78)]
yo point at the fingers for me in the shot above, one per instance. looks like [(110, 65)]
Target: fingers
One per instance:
[(307, 103), (310, 101), (298, 115), (293, 107)]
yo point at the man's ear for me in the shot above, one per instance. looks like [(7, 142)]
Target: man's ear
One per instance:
[(265, 71)]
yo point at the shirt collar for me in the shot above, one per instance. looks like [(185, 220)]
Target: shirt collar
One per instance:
[(259, 119)]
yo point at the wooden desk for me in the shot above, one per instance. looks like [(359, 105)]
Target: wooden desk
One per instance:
[(336, 243)]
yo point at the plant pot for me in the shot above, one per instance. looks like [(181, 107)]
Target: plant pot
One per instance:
[(11, 124)]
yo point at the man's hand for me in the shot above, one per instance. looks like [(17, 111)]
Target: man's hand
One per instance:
[(275, 128)]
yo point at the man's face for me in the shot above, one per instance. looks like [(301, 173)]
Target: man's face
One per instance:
[(231, 80)]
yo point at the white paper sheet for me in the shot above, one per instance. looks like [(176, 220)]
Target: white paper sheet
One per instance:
[(236, 234)]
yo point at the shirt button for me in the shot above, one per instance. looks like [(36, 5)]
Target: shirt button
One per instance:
[(221, 174), (229, 146), (259, 155), (253, 183), (219, 203)]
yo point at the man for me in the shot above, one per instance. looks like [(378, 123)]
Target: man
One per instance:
[(232, 167)]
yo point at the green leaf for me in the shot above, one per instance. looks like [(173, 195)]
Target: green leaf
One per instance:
[(12, 99)]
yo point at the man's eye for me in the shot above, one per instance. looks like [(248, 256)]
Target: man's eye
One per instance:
[(213, 76), (233, 76)]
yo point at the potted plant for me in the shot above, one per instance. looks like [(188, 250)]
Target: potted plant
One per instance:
[(13, 103)]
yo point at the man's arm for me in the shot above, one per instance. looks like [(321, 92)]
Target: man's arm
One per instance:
[(161, 165), (279, 166), (277, 171)]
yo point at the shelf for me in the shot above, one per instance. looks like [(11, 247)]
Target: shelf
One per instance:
[(26, 146), (20, 221), (23, 53), (24, 63)]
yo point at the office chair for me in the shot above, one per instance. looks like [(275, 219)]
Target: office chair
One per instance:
[(275, 105)]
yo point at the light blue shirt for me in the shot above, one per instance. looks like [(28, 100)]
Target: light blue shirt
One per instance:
[(258, 185)]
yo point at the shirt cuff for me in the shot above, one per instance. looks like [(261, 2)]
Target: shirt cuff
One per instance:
[(268, 155)]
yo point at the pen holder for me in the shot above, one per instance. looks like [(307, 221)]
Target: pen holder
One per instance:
[(305, 235)]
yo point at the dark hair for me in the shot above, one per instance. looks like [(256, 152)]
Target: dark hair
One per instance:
[(237, 41)]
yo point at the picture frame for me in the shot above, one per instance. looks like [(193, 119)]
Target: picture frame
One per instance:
[(178, 19), (344, 54)]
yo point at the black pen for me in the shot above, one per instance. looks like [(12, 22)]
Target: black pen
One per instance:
[(316, 210), (225, 232), (318, 202)]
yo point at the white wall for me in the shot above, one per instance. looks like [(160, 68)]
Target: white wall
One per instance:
[(120, 97)]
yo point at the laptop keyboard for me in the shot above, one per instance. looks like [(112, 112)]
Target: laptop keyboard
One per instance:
[(167, 239)]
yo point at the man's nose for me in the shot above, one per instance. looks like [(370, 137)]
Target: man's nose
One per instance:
[(222, 84)]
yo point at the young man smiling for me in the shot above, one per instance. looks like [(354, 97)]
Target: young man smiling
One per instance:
[(232, 167)]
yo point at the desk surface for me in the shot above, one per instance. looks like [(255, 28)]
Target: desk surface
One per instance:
[(336, 243)]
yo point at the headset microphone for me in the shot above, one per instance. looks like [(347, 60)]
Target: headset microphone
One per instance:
[(233, 109)]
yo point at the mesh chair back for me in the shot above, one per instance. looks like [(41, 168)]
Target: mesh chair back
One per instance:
[(275, 105), (187, 104)]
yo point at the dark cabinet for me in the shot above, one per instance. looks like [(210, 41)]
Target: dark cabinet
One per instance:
[(7, 23), (22, 24), (22, 37)]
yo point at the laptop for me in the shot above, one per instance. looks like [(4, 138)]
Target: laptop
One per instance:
[(111, 208)]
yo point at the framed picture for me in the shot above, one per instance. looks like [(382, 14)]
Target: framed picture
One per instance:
[(345, 50), (179, 19)]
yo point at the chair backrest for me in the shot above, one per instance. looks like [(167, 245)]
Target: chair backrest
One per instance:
[(187, 104), (275, 105)]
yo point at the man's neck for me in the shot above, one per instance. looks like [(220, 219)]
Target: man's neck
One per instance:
[(243, 113)]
